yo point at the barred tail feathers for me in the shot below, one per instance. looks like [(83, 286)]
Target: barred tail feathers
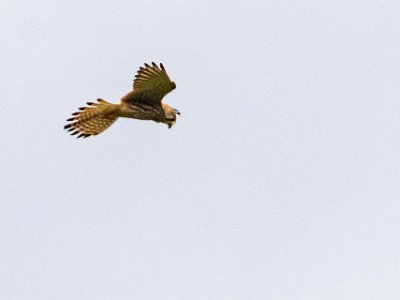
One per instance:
[(93, 119)]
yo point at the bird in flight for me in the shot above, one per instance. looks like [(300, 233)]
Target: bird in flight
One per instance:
[(144, 102)]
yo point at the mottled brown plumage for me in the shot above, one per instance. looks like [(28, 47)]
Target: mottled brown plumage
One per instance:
[(144, 102)]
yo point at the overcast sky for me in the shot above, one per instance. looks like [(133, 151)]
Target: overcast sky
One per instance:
[(280, 179)]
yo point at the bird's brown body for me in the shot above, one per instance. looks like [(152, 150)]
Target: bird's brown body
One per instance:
[(144, 103), (160, 112)]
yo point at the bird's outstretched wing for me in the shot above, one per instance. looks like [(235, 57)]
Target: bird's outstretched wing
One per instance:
[(150, 85)]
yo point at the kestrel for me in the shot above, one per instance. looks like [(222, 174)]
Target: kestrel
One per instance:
[(144, 102)]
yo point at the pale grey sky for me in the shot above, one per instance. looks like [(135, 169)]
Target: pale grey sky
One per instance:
[(280, 179)]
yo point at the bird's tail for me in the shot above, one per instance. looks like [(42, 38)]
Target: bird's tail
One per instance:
[(93, 119)]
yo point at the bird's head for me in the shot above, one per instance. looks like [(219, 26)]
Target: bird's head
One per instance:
[(170, 115)]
